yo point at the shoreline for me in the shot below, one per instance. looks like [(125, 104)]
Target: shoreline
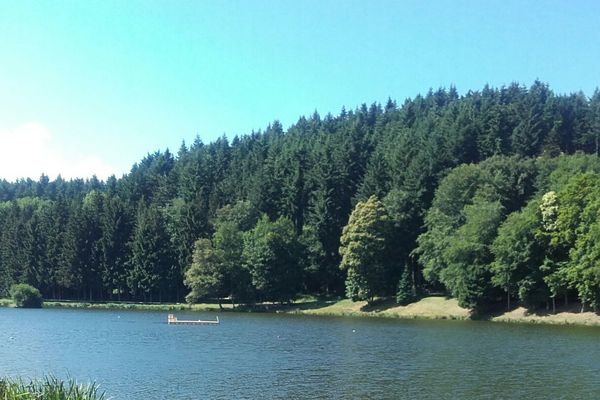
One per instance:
[(427, 308)]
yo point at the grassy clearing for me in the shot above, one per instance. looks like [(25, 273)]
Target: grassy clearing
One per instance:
[(430, 308), (49, 388), (137, 306), (564, 316), (426, 308), (7, 303)]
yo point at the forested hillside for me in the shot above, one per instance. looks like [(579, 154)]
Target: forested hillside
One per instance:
[(492, 197)]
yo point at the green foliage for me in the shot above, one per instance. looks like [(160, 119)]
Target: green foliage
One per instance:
[(573, 198), (469, 205), (49, 388), (26, 296), (583, 268), (468, 255), (205, 276), (429, 160), (364, 247), (228, 240), (151, 260), (519, 251), (406, 291), (444, 217), (271, 255), (243, 215)]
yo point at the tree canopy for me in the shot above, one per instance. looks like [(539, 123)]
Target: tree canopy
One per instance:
[(488, 196)]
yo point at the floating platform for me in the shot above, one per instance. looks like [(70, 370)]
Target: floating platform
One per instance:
[(172, 320)]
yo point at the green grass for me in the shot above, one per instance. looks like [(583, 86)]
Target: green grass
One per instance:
[(137, 306), (127, 306), (49, 388), (6, 303), (433, 307), (426, 308)]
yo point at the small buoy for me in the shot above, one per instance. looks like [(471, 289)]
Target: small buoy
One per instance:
[(353, 330)]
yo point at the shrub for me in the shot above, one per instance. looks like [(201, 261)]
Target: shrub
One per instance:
[(26, 296)]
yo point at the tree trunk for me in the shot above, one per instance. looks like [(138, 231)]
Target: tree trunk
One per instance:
[(414, 283), (508, 300), (553, 305)]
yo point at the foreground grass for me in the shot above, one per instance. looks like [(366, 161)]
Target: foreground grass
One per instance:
[(49, 388), (433, 307)]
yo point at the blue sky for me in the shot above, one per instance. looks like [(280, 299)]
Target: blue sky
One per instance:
[(92, 86)]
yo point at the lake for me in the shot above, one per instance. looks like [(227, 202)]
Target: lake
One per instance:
[(136, 355)]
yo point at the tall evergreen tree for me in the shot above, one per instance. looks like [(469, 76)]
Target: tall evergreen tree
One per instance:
[(151, 261)]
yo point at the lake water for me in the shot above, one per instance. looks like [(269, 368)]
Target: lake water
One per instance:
[(136, 355)]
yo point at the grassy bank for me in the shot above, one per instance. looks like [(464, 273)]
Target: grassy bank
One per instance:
[(126, 306), (437, 307), (426, 308), (7, 303), (569, 315), (138, 306), (434, 307), (48, 388)]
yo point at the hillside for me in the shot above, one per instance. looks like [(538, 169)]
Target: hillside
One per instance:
[(460, 180)]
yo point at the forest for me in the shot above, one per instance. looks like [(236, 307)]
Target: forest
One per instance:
[(492, 197)]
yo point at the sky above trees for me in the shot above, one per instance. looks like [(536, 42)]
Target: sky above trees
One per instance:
[(90, 87)]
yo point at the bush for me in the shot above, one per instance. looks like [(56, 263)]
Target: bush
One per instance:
[(26, 296)]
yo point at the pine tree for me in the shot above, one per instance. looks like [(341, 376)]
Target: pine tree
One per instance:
[(406, 291), (151, 259)]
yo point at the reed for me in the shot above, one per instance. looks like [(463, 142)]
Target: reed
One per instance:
[(48, 388)]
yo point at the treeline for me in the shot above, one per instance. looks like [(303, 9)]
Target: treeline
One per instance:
[(517, 229), (261, 217)]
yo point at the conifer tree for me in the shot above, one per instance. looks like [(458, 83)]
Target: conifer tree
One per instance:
[(151, 259)]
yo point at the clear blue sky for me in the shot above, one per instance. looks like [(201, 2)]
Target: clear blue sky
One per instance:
[(97, 84)]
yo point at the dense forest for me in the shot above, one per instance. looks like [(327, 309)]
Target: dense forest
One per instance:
[(492, 197)]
